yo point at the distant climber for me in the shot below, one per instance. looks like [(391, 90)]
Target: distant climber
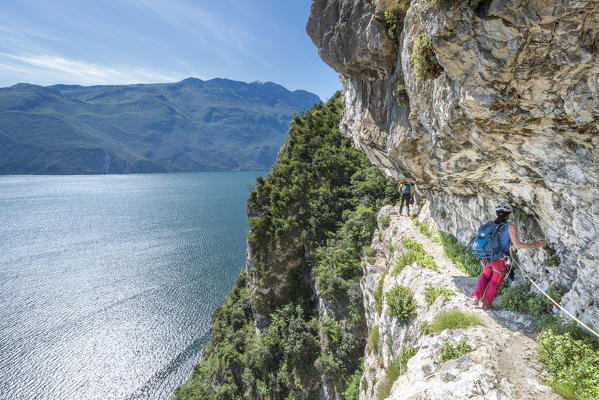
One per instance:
[(405, 191), (493, 246)]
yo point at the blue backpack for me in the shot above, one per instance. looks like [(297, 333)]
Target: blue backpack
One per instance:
[(488, 246)]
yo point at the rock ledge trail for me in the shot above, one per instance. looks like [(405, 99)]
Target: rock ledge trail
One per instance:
[(503, 362)]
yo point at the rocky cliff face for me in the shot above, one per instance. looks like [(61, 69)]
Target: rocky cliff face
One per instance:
[(513, 116)]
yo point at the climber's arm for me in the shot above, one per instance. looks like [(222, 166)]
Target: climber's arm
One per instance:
[(513, 231)]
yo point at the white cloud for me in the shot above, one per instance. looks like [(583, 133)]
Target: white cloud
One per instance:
[(46, 68)]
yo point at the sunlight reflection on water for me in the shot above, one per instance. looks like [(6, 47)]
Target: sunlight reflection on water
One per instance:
[(108, 283)]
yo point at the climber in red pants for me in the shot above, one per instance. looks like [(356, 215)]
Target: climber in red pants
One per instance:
[(495, 271)]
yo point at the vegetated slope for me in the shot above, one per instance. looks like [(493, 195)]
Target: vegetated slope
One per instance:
[(192, 125), (310, 218)]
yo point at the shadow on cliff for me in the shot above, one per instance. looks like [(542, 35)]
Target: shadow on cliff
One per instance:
[(511, 320)]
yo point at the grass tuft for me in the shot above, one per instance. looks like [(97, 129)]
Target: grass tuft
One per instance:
[(413, 252), (431, 294), (451, 349), (396, 368), (378, 294), (373, 340), (465, 259), (385, 222), (454, 319), (553, 261), (425, 328), (423, 228)]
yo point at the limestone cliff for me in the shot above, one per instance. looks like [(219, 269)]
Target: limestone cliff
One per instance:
[(512, 116)]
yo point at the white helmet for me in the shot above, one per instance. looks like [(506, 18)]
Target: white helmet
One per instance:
[(503, 207)]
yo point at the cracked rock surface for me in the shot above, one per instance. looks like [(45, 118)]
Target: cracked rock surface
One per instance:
[(514, 116)]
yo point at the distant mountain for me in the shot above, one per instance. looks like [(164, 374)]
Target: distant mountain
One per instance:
[(192, 125)]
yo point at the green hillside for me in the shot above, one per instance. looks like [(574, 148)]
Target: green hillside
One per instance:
[(192, 125)]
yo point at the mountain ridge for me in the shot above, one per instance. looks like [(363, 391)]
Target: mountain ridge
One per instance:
[(190, 125)]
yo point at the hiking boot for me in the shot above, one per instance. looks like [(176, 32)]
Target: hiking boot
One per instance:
[(475, 302)]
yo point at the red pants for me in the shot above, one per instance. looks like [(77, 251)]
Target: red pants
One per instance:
[(494, 273)]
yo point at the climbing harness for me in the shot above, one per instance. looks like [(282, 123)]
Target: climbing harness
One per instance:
[(553, 301)]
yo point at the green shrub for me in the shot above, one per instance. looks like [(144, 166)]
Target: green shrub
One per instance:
[(396, 368), (369, 251), (407, 353), (537, 305), (400, 300), (539, 308), (465, 259), (557, 291), (403, 260), (340, 350), (379, 236), (378, 294), (353, 388), (338, 267), (400, 93), (443, 214), (423, 228), (232, 329), (373, 340), (552, 261), (394, 23), (385, 222), (424, 59), (391, 248), (518, 298), (414, 252), (431, 294), (451, 349), (454, 319), (573, 364), (515, 298), (287, 351)]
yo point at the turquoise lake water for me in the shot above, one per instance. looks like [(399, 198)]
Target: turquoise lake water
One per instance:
[(108, 282)]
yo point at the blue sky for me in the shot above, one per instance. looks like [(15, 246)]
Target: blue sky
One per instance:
[(91, 42)]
